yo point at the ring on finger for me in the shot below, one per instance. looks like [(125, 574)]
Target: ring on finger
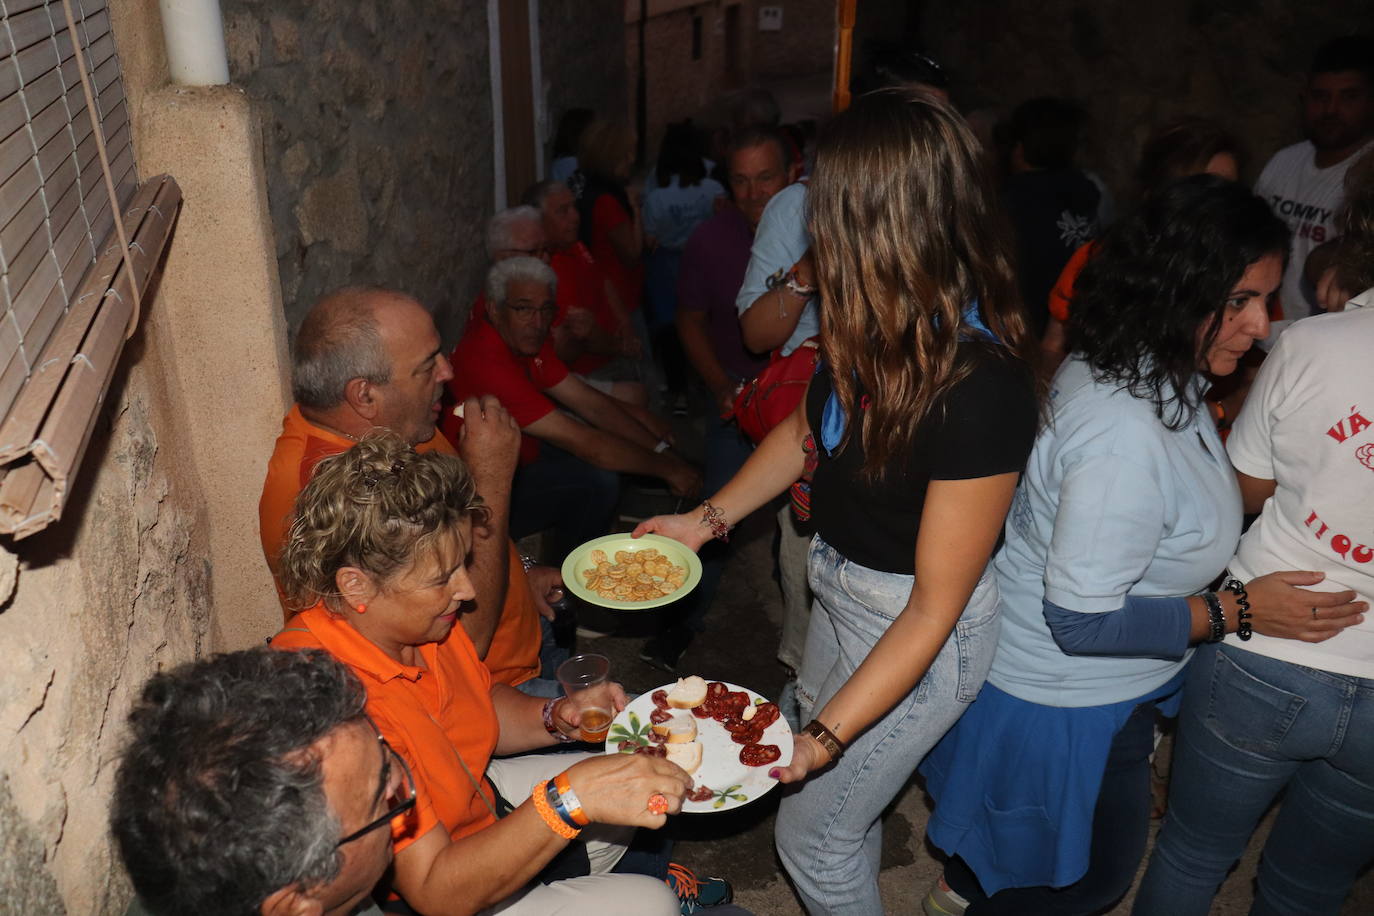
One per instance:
[(658, 803)]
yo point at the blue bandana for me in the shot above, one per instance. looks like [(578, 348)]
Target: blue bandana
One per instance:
[(832, 416)]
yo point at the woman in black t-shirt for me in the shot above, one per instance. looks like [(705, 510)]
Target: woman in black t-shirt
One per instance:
[(920, 419)]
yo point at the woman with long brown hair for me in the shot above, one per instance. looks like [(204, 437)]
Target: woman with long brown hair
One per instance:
[(919, 422)]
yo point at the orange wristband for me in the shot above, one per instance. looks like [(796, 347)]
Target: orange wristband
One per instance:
[(570, 799), (538, 795)]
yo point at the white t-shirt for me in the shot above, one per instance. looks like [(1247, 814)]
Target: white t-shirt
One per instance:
[(1308, 424), (1306, 198)]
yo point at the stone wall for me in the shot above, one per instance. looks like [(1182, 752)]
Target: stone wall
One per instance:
[(1137, 64), (377, 129)]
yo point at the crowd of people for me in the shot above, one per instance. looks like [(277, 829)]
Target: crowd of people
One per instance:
[(1013, 430)]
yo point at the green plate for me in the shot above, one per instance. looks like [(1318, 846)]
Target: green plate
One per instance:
[(580, 560)]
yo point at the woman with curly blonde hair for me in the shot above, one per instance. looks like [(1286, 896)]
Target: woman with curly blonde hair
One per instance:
[(377, 562), (919, 422)]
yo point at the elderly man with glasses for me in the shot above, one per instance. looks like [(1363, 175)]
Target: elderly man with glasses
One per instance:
[(254, 782), (575, 438)]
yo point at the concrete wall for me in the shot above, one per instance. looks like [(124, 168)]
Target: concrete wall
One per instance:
[(1136, 64), (124, 585), (581, 43)]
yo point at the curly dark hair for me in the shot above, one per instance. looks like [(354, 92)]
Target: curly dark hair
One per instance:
[(215, 805), (1160, 274)]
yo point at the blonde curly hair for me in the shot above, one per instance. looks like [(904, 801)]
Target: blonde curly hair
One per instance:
[(380, 507)]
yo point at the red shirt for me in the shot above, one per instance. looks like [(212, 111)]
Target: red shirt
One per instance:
[(607, 214), (483, 364), (582, 283)]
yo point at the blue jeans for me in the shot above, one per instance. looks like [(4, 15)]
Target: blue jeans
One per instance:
[(829, 834), (1252, 726)]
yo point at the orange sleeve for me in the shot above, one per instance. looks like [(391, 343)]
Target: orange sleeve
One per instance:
[(1062, 292), (513, 656)]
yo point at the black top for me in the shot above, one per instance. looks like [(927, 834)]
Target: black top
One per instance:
[(983, 426)]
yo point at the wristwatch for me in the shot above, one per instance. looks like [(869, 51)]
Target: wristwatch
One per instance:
[(828, 739)]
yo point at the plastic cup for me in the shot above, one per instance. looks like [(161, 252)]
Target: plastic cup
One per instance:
[(586, 681)]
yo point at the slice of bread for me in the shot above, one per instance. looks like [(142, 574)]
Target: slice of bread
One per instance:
[(686, 755), (681, 728), (687, 692)]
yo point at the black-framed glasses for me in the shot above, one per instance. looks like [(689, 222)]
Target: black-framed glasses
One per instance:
[(525, 312), (399, 795)]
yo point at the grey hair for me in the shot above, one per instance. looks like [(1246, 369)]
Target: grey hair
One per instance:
[(521, 270), (537, 193), (500, 226), (338, 340), (219, 801)]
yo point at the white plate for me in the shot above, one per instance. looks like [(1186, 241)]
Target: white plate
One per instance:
[(734, 783)]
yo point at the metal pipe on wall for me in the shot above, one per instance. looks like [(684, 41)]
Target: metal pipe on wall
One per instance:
[(194, 32)]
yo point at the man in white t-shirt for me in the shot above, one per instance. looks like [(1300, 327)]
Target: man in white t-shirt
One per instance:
[(1303, 183), (1305, 439)]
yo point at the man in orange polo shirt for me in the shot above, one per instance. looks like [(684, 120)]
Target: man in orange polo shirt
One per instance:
[(365, 358)]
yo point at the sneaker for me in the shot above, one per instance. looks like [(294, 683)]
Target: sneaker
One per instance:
[(696, 892), (665, 650), (941, 901)]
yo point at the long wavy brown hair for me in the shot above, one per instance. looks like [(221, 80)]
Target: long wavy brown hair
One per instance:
[(907, 233)]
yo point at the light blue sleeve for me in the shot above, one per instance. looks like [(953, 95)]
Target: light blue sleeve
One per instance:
[(780, 242), (1109, 521)]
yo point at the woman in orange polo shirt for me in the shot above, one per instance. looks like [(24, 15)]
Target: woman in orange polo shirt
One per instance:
[(377, 557)]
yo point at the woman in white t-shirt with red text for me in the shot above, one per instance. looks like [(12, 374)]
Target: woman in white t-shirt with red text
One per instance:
[(1266, 715)]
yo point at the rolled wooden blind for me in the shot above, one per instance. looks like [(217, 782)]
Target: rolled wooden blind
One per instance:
[(69, 293)]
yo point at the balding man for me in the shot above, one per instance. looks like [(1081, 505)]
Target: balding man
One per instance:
[(367, 358)]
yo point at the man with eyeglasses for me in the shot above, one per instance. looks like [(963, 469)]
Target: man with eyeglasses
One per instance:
[(254, 782), (576, 439)]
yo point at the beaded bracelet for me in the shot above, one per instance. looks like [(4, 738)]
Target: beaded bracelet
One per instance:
[(569, 802), (1244, 629), (713, 517), (1216, 617), (550, 727), (541, 804)]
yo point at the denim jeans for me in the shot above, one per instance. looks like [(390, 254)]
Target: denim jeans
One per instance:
[(829, 834), (1252, 726)]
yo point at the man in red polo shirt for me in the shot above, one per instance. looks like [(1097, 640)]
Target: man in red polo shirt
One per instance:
[(576, 438), (365, 358), (592, 333)]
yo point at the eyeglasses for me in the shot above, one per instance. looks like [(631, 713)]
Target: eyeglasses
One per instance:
[(399, 793), (526, 312), (541, 251)]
